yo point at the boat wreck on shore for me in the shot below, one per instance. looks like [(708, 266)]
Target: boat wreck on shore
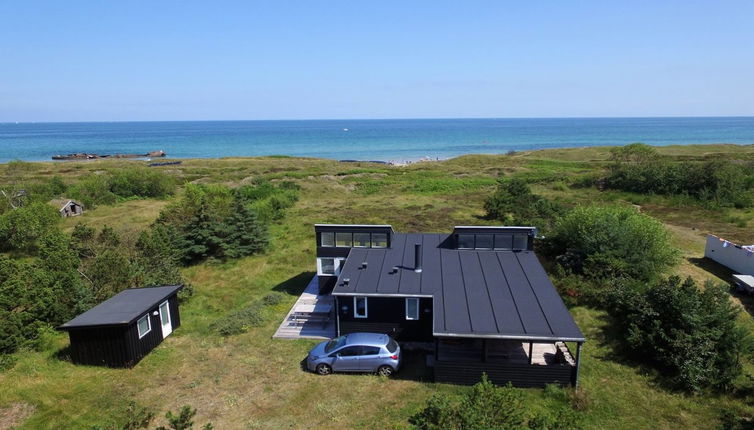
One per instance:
[(85, 156)]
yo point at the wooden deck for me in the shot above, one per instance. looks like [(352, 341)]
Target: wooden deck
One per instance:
[(311, 317)]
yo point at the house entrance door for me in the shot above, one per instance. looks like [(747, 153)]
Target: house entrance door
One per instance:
[(167, 327)]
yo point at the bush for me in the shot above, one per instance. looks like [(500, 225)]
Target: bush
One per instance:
[(272, 299), (22, 228), (611, 242), (689, 334), (93, 190), (240, 321), (639, 168), (487, 406), (7, 362), (513, 203), (141, 182), (183, 421)]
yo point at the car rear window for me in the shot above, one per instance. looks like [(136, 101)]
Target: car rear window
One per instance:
[(392, 345)]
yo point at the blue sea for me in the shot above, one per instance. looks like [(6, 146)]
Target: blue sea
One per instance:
[(385, 140)]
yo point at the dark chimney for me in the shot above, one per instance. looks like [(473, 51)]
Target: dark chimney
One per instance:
[(417, 257)]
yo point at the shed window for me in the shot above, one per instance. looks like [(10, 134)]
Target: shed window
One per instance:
[(412, 308), (483, 241), (503, 241), (144, 326), (327, 238), (465, 241), (361, 240), (360, 307), (520, 241), (343, 239), (379, 240)]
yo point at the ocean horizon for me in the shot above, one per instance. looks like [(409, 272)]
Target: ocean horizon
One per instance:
[(394, 140)]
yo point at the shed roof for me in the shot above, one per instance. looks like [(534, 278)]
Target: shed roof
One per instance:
[(123, 308), (477, 293), (61, 203)]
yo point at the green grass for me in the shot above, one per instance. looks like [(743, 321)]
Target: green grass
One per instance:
[(251, 381)]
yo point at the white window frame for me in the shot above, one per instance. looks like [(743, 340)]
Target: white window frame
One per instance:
[(149, 324), (386, 240), (366, 307), (321, 242), (338, 265), (353, 239), (410, 317)]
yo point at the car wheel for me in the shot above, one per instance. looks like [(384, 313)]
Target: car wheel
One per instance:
[(324, 369), (385, 371)]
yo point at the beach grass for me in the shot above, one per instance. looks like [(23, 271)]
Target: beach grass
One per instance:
[(251, 381)]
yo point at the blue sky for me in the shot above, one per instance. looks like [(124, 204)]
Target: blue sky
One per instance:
[(184, 60)]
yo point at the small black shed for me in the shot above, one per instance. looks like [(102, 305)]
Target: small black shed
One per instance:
[(123, 329)]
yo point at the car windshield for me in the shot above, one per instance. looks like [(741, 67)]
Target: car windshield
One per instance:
[(392, 345), (335, 343)]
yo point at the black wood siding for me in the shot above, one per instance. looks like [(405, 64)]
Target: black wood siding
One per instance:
[(99, 346), (387, 315), (326, 284), (520, 375), (120, 346)]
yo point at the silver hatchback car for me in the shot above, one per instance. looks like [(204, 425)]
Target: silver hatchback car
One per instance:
[(356, 352)]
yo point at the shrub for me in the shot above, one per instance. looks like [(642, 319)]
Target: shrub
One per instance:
[(93, 190), (272, 299), (141, 182), (611, 242), (7, 362), (487, 406), (183, 421), (23, 227), (640, 169), (240, 321), (513, 203), (689, 334)]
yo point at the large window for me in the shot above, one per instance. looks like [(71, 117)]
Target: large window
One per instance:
[(327, 238), (503, 241), (343, 239), (361, 240), (412, 308), (483, 241), (520, 241), (143, 325), (360, 307), (329, 266), (379, 240), (465, 241)]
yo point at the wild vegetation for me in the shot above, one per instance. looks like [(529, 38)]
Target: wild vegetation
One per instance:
[(55, 275), (715, 182), (248, 380)]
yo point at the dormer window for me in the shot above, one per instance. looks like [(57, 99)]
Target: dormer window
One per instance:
[(483, 241), (465, 241), (343, 239), (327, 238), (362, 240), (379, 240)]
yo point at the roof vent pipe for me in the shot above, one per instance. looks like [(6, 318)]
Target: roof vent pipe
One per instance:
[(417, 257)]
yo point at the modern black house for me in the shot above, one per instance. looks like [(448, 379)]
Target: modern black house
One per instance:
[(479, 294), (123, 329)]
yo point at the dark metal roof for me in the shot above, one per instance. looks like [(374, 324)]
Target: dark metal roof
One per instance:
[(123, 308), (477, 293)]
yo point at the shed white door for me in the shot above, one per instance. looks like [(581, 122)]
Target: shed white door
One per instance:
[(167, 327)]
